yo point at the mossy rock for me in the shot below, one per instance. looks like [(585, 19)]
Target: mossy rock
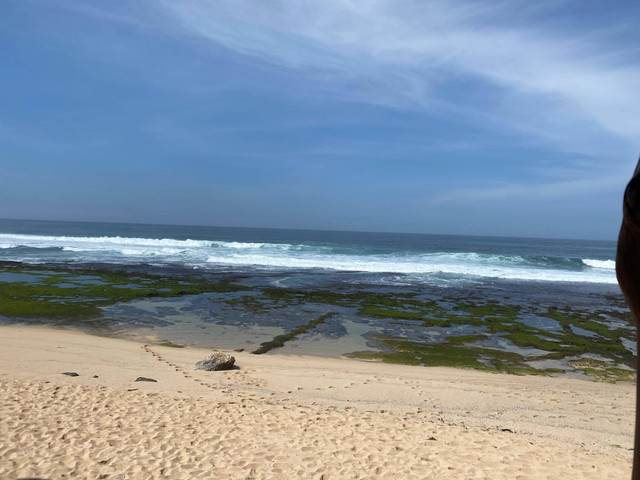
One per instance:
[(602, 371), (279, 341), (46, 299), (170, 344)]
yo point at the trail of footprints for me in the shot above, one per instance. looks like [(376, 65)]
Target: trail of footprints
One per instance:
[(237, 376), (177, 368), (241, 381), (225, 388)]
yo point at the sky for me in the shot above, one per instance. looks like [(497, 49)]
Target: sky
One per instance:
[(510, 118)]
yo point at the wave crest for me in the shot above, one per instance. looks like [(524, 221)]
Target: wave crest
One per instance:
[(216, 253), (603, 264)]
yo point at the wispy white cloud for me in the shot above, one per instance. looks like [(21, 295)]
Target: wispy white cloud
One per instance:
[(500, 65), (524, 68), (406, 53), (530, 71)]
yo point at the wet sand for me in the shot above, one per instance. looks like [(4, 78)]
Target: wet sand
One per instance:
[(283, 416)]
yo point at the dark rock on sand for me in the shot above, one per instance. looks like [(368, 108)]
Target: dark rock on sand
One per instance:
[(145, 379), (216, 361), (70, 374)]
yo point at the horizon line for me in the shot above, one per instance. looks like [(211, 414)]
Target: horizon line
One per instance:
[(305, 229)]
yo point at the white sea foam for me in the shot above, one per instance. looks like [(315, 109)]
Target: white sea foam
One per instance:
[(604, 264), (241, 245), (125, 245), (416, 266), (212, 253), (44, 241)]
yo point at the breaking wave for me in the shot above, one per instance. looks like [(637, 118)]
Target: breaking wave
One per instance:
[(214, 253)]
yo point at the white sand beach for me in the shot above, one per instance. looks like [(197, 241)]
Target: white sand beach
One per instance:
[(279, 417)]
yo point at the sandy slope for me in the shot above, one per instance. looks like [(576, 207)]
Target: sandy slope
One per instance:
[(292, 417)]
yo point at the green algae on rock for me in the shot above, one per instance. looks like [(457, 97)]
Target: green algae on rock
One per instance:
[(405, 352), (64, 294), (602, 371), (279, 341), (416, 329), (170, 344), (477, 321)]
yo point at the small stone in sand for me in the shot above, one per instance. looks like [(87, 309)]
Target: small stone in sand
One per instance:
[(145, 379), (70, 374), (216, 361)]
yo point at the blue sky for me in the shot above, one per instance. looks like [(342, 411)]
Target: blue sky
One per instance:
[(489, 118)]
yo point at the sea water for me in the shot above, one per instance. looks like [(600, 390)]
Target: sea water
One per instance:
[(510, 271), (364, 258)]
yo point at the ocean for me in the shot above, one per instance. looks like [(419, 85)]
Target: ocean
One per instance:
[(301, 257), (523, 304)]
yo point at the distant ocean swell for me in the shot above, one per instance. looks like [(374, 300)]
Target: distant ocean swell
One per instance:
[(211, 253)]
